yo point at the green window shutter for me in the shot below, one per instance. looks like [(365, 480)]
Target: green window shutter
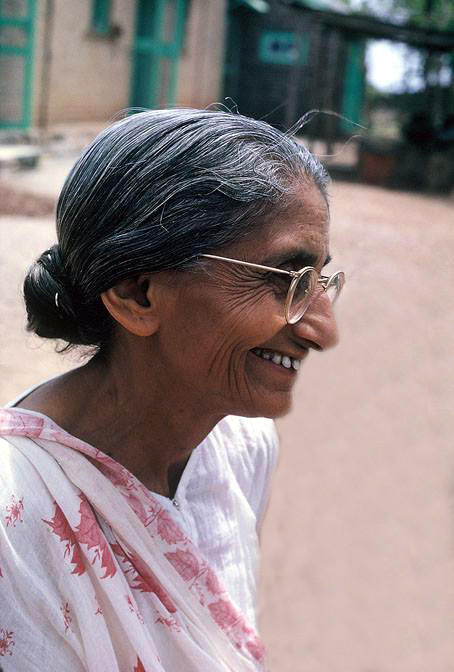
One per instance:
[(100, 16), (17, 24), (159, 34)]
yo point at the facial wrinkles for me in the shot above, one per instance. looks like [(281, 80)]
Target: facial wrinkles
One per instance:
[(241, 304), (220, 366), (212, 358), (238, 379), (232, 278), (229, 355), (224, 343)]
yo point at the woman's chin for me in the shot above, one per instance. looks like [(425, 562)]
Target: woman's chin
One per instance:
[(267, 406), (272, 387), (277, 410)]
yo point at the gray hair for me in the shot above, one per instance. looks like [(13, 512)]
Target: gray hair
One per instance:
[(152, 192)]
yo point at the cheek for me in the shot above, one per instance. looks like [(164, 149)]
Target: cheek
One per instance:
[(247, 318), (216, 334)]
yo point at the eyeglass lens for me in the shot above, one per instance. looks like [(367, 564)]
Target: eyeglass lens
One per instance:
[(302, 292), (334, 287)]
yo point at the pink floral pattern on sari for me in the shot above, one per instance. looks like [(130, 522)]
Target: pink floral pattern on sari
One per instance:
[(6, 642), (168, 529), (171, 623), (139, 667), (67, 619), (133, 608), (182, 556), (14, 511), (212, 582), (21, 424), (87, 532), (141, 578), (99, 611), (224, 613), (185, 562), (60, 526)]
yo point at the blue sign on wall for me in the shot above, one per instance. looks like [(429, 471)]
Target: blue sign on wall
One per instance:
[(283, 48)]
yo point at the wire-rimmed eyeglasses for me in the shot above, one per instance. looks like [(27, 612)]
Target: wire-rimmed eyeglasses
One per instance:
[(303, 286)]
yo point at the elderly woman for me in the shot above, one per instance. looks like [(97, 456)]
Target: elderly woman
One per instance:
[(189, 259)]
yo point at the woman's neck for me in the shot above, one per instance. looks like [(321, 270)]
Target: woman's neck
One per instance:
[(136, 415)]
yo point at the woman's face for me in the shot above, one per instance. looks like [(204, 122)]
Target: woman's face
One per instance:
[(216, 319)]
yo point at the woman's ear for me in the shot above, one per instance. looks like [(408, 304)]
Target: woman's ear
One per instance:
[(132, 303)]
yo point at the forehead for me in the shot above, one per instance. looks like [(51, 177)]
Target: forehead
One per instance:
[(300, 231)]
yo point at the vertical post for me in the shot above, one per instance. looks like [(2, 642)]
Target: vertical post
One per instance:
[(232, 53), (43, 117), (353, 84), (319, 75), (28, 65), (330, 120), (293, 90), (428, 8), (181, 10), (153, 53)]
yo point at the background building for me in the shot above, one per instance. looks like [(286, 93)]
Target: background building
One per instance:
[(86, 60)]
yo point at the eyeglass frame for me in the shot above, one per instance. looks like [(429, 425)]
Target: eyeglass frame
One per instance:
[(324, 280)]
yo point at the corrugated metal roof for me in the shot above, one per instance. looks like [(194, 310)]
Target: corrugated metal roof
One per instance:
[(327, 5), (443, 24), (259, 6), (369, 26)]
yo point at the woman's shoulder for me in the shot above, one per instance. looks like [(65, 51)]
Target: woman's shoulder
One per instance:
[(249, 446), (245, 443), (258, 433), (46, 398)]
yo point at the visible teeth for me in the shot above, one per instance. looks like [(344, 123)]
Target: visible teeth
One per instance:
[(283, 360)]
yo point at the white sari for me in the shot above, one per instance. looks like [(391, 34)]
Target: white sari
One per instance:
[(95, 575)]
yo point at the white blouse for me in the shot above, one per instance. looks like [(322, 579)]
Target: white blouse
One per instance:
[(221, 499)]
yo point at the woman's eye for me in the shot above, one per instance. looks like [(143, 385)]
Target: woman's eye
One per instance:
[(278, 282)]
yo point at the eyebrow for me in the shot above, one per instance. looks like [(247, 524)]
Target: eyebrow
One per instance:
[(298, 258)]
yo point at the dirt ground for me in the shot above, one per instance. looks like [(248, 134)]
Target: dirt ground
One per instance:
[(358, 544)]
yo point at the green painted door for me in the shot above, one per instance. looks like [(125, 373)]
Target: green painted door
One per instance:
[(17, 18), (353, 94), (156, 52)]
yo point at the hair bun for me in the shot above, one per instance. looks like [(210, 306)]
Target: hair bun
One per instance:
[(50, 310), (52, 261)]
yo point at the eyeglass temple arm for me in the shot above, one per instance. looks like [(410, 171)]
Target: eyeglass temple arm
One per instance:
[(294, 274)]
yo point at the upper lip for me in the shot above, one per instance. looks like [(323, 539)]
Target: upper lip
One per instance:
[(300, 355)]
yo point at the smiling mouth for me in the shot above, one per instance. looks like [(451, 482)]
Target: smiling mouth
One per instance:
[(277, 358)]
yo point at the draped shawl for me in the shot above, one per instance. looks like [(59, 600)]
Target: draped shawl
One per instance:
[(95, 575)]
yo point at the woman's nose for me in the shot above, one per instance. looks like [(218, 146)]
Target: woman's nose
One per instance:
[(318, 324)]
